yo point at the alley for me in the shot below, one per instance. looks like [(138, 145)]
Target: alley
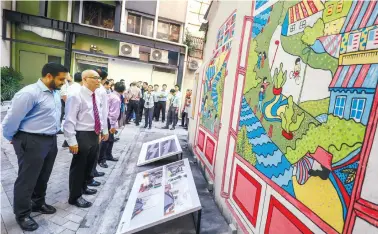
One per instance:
[(111, 198)]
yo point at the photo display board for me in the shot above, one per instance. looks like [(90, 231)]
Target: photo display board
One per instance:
[(158, 149), (159, 195)]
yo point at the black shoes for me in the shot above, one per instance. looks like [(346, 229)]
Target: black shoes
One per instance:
[(149, 127), (172, 128), (27, 223), (145, 126), (44, 209), (112, 159), (99, 174), (165, 127), (94, 183), (80, 202), (103, 164), (89, 191)]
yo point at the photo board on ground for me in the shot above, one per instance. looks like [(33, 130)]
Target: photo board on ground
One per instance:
[(160, 195), (158, 149)]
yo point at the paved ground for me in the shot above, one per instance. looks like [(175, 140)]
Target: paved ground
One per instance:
[(110, 200)]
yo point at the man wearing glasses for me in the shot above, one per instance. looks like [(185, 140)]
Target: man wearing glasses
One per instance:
[(83, 131)]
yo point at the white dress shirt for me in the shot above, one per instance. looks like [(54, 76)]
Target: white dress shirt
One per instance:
[(79, 114), (64, 89), (73, 89), (103, 95)]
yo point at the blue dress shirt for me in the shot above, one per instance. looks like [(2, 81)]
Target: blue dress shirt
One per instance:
[(34, 109)]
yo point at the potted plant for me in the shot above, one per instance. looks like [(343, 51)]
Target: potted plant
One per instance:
[(279, 79), (10, 83), (289, 123)]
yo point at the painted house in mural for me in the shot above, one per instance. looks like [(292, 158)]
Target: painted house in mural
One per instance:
[(334, 16), (353, 86), (301, 15)]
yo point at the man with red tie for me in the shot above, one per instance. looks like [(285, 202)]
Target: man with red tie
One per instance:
[(82, 130)]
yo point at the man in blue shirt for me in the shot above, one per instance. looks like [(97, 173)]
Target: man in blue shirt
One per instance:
[(31, 125)]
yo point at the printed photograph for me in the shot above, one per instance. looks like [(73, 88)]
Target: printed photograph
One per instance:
[(151, 180), (168, 147), (152, 151), (174, 169)]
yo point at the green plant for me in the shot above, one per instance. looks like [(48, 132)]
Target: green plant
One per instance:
[(244, 147), (289, 122), (279, 77), (189, 42), (10, 83)]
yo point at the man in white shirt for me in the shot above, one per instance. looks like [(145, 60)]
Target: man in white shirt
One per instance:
[(63, 96), (82, 130), (75, 87), (172, 111), (162, 102), (179, 97)]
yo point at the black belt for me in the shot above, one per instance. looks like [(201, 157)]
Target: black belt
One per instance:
[(39, 134)]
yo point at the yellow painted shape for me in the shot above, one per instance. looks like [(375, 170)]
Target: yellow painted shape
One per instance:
[(361, 57), (309, 11), (319, 5), (334, 27), (321, 197)]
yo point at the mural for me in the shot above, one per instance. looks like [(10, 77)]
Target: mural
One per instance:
[(310, 84), (216, 72)]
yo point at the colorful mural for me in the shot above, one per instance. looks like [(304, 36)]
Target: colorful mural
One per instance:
[(310, 84), (216, 72)]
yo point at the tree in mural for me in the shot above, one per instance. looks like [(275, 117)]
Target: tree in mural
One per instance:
[(289, 121), (310, 35), (244, 147)]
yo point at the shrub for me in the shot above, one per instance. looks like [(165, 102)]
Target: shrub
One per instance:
[(10, 83)]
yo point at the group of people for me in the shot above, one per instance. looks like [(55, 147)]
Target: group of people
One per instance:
[(93, 108)]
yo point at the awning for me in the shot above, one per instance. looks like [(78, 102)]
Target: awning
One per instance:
[(362, 77)]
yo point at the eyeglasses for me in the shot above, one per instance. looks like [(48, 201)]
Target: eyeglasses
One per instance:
[(94, 77)]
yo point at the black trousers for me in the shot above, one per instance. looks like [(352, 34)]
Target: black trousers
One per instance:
[(141, 108), (148, 112), (83, 162), (156, 111), (161, 108), (62, 110), (184, 119), (106, 147), (36, 156), (133, 106), (172, 116)]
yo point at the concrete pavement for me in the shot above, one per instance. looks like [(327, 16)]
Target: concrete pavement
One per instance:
[(111, 198)]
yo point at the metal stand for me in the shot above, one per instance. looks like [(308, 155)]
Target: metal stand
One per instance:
[(198, 224), (179, 156)]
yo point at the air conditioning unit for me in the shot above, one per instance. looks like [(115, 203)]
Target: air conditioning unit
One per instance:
[(160, 56), (193, 64), (128, 50)]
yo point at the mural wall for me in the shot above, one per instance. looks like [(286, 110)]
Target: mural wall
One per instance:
[(308, 93), (215, 74), (289, 139)]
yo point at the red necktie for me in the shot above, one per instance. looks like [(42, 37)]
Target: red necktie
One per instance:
[(96, 115)]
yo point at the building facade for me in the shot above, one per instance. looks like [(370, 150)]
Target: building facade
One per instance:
[(285, 124), (133, 40)]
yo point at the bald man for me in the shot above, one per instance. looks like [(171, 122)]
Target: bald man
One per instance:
[(83, 132)]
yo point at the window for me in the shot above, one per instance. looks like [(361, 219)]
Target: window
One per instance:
[(339, 106), (302, 24), (353, 42), (292, 28), (98, 14), (372, 41), (168, 31), (54, 59), (140, 25), (339, 8), (358, 105)]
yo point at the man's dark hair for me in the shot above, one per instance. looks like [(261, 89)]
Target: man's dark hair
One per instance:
[(164, 85), (103, 74), (77, 77), (119, 87), (151, 86), (172, 91), (53, 68), (156, 85), (122, 80), (107, 82), (145, 83), (132, 84), (178, 86)]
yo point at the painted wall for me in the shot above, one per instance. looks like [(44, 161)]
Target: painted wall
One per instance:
[(57, 10), (28, 7), (283, 162), (84, 43)]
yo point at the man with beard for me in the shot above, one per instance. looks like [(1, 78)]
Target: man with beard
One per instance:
[(31, 125), (82, 130)]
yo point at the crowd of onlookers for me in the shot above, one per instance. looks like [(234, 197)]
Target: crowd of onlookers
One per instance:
[(92, 108)]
